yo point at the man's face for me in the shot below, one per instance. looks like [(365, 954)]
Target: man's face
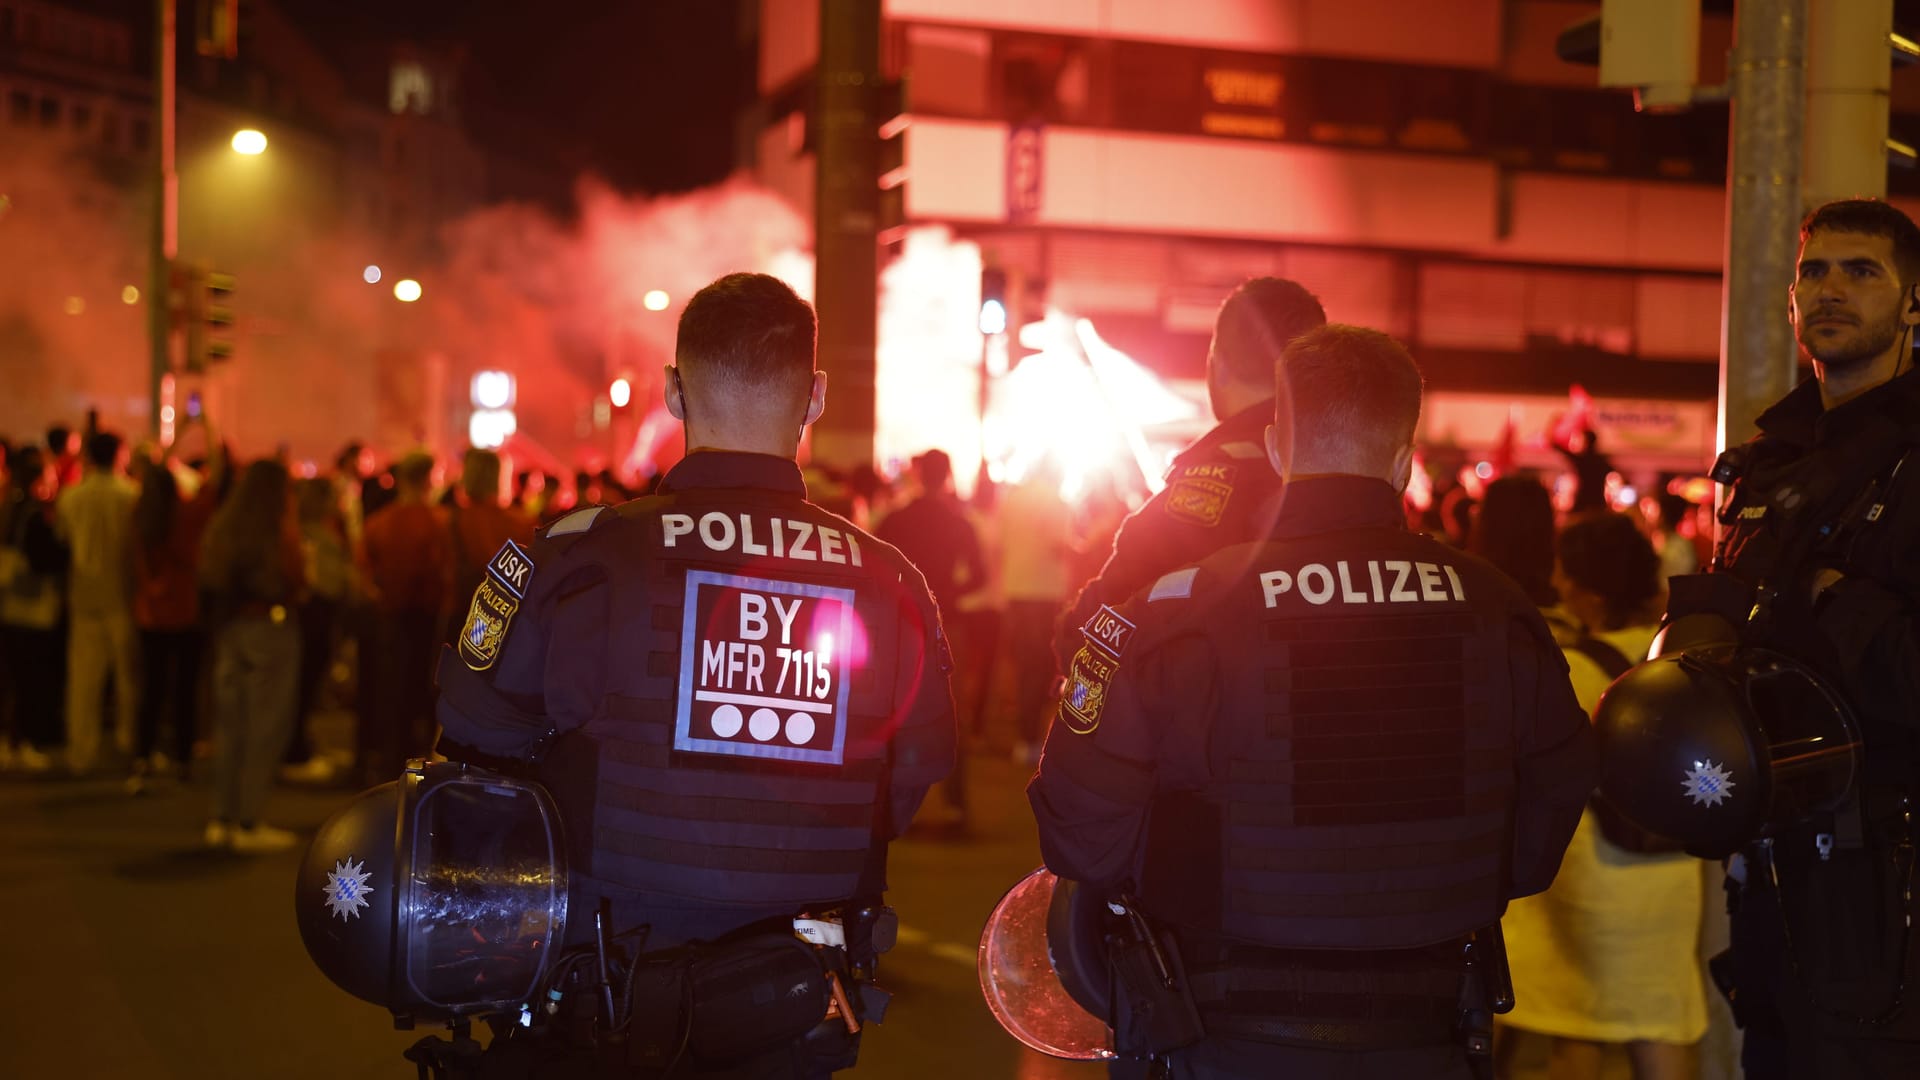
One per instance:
[(1848, 302)]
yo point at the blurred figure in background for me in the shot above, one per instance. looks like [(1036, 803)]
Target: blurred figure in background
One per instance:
[(933, 532), (250, 566), (1609, 953), (477, 526), (95, 520), (329, 568), (408, 563), (167, 533), (32, 599), (1036, 565)]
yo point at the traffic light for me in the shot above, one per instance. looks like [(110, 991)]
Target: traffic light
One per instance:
[(206, 316), (993, 301)]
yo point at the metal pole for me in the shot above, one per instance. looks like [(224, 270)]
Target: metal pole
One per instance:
[(1758, 354), (846, 227), (1849, 69), (166, 236)]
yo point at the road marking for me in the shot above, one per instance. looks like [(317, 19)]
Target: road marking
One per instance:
[(967, 955)]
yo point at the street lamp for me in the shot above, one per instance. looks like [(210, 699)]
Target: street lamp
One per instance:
[(655, 300), (249, 142), (406, 290)]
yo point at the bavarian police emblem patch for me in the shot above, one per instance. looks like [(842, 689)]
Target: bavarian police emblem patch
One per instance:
[(1088, 677), (485, 628), (1199, 493)]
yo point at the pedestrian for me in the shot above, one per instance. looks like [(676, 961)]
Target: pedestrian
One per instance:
[(95, 520), (1819, 562), (330, 579), (1513, 529), (1609, 954), (934, 533), (736, 698), (477, 525), (1219, 491), (1036, 569), (407, 566), (1323, 761), (250, 567), (33, 643), (167, 533)]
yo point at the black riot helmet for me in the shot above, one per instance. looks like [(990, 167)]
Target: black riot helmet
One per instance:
[(1721, 744), (438, 896)]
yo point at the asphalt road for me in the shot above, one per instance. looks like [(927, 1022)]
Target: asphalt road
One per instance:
[(129, 951)]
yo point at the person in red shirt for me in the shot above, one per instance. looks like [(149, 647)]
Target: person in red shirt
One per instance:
[(478, 524), (407, 558), (168, 528)]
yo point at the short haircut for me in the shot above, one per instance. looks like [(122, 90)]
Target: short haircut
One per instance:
[(1354, 400), (1256, 322), (1513, 530), (934, 468), (103, 449), (480, 474), (1608, 554), (1871, 217), (415, 469), (748, 330)]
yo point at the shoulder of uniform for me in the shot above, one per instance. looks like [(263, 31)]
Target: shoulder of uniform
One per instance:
[(578, 521)]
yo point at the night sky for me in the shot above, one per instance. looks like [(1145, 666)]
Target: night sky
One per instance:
[(642, 92)]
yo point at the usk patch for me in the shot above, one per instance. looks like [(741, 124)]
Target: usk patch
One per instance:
[(1199, 493), (485, 628)]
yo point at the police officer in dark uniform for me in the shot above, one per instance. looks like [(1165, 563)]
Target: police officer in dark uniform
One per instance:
[(1220, 491), (1819, 559), (736, 698), (1324, 759)]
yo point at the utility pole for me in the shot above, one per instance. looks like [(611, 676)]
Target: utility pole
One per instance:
[(846, 226), (1758, 356), (165, 235)]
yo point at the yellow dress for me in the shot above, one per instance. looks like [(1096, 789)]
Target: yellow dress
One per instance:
[(1610, 952)]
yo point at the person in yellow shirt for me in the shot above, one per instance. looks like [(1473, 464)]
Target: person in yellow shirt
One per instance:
[(1609, 953)]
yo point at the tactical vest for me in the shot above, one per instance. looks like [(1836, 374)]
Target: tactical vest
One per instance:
[(1363, 757), (754, 678)]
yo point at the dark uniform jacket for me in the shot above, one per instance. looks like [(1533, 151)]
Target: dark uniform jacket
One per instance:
[(736, 697), (1347, 736), (1835, 489), (1220, 492)]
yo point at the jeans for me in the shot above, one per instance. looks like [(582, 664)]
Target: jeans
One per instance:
[(99, 645), (171, 659), (256, 667)]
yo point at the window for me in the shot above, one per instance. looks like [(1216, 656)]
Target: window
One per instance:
[(20, 107), (49, 111)]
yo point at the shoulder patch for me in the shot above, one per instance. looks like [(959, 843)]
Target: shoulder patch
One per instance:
[(1175, 586), (1089, 675), (1199, 493), (488, 617), (512, 567), (577, 522), (1107, 631)]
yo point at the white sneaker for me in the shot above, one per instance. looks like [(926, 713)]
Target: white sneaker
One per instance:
[(218, 834), (262, 840), (32, 760), (314, 770)]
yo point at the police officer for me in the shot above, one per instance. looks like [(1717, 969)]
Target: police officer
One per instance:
[(1322, 759), (1819, 558), (1220, 490), (736, 698)]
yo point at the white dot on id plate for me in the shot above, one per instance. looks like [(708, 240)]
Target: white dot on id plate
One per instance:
[(726, 721), (764, 725), (799, 729)]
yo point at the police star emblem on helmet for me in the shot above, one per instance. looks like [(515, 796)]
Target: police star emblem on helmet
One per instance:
[(1707, 784), (346, 888)]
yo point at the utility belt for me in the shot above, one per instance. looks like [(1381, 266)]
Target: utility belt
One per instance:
[(697, 1007), (1173, 990)]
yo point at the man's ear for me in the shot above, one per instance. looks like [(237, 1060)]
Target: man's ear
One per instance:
[(1402, 473), (1276, 457), (671, 392), (1911, 316), (1793, 305), (816, 398)]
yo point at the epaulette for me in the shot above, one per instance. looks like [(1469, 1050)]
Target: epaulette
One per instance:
[(576, 522)]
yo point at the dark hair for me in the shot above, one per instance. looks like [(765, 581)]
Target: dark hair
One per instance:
[(934, 468), (1871, 217), (414, 469), (1607, 553), (480, 474), (103, 449), (240, 557), (750, 330), (1514, 531), (153, 511), (1257, 320), (347, 461), (24, 466), (58, 436), (1353, 396)]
